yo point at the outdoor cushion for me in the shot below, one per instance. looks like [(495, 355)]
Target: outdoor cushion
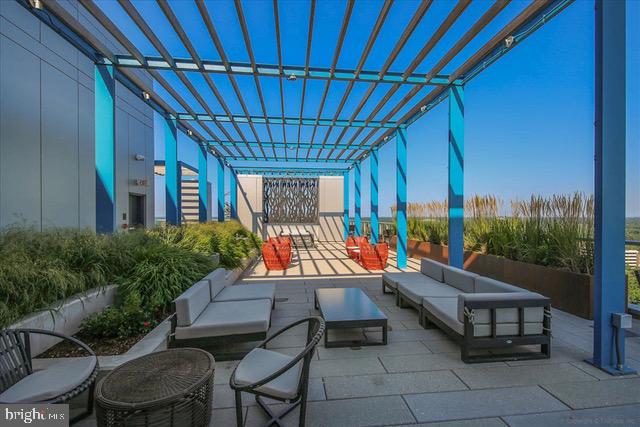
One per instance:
[(192, 302), (416, 290), (247, 292), (433, 269), (458, 278), (58, 378), (445, 309), (229, 318), (216, 281), (503, 315), (392, 279), (261, 363), (486, 285)]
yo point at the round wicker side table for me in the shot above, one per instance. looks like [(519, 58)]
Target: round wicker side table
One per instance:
[(167, 388)]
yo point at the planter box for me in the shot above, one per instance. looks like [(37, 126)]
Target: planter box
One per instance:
[(67, 318), (570, 292)]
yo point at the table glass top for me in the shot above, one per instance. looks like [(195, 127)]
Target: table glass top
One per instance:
[(341, 304)]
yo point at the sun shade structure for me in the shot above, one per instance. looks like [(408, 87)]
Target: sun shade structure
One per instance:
[(265, 111)]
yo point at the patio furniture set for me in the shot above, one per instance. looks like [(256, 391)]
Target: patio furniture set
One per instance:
[(371, 257), (477, 312)]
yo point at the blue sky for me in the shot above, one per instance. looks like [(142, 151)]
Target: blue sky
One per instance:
[(529, 117)]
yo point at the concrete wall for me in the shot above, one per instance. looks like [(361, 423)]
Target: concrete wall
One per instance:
[(330, 226), (47, 154)]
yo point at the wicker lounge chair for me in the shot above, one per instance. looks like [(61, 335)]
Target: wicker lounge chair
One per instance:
[(58, 383)]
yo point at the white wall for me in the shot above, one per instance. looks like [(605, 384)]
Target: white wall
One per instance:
[(47, 150), (330, 226)]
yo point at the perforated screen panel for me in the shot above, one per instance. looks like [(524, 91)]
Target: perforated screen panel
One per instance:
[(290, 200)]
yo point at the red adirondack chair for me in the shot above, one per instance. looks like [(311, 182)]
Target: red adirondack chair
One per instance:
[(276, 256), (353, 244), (374, 257)]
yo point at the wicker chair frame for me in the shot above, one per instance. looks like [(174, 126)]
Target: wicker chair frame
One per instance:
[(16, 364), (315, 331)]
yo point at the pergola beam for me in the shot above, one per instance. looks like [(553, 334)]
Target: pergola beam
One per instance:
[(294, 121)]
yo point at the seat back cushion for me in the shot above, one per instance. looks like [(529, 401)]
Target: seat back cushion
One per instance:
[(433, 269), (216, 281), (503, 315), (192, 302), (463, 280), (486, 285)]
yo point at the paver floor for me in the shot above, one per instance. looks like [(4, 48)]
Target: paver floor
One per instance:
[(418, 378)]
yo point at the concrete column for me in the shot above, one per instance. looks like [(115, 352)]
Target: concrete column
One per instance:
[(456, 176), (203, 196), (105, 159), (373, 163), (401, 197), (220, 176), (172, 172), (357, 198)]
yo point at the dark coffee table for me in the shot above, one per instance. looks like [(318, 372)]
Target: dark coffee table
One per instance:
[(346, 308)]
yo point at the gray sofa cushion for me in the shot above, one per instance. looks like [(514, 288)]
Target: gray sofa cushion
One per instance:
[(261, 363), (503, 315), (433, 269), (446, 309), (192, 302), (216, 280), (392, 279), (486, 285), (416, 290), (229, 318), (58, 378), (463, 280), (247, 292)]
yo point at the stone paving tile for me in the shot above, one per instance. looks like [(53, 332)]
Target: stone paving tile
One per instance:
[(224, 397), (622, 416), (389, 384), (445, 345), (426, 362), (341, 367), (480, 422), (471, 404), (509, 376), (596, 394), (416, 335), (601, 375), (404, 347), (372, 411), (559, 354), (224, 417), (223, 371)]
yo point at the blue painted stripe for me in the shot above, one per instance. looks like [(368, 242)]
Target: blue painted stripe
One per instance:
[(357, 198), (456, 176), (233, 193), (203, 195), (345, 206), (220, 176), (172, 172), (105, 161)]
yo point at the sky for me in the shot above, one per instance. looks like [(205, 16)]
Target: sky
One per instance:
[(528, 117)]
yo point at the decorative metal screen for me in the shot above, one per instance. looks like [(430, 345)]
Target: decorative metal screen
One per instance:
[(290, 200)]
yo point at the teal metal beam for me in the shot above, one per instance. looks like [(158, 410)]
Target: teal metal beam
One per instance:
[(373, 166), (357, 198), (203, 193), (610, 140), (172, 172), (401, 198), (233, 193), (289, 72), (220, 177), (279, 171), (105, 149), (345, 204), (456, 176), (275, 144), (294, 121)]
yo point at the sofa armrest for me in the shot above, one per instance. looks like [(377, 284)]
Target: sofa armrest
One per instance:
[(495, 300)]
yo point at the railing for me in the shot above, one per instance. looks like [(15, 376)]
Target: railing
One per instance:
[(386, 229)]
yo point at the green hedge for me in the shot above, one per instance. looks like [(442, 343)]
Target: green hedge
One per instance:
[(40, 269)]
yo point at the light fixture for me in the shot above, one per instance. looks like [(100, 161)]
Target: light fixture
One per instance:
[(146, 96), (37, 4), (509, 41), (423, 108), (292, 77), (189, 132)]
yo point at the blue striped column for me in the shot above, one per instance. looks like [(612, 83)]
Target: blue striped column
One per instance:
[(373, 166), (233, 193), (172, 171), (105, 146), (610, 140), (456, 176), (357, 199), (220, 176), (345, 204), (401, 197), (203, 195)]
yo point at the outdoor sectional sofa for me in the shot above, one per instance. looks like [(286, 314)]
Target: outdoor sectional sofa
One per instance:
[(478, 312), (210, 313)]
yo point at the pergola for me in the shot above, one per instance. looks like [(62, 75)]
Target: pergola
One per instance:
[(350, 137)]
